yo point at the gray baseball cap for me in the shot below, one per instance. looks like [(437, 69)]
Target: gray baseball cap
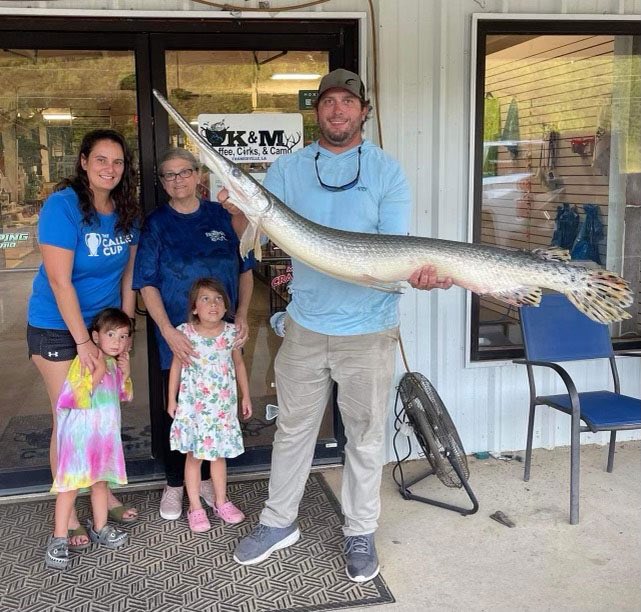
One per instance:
[(342, 79)]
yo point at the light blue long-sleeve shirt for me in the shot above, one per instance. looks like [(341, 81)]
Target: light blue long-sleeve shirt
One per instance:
[(379, 203)]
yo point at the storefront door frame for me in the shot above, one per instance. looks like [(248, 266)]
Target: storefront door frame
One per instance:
[(337, 34)]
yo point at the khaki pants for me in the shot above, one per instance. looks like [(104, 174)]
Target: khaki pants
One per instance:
[(306, 365)]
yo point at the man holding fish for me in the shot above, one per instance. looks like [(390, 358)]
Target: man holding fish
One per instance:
[(340, 207), (335, 330)]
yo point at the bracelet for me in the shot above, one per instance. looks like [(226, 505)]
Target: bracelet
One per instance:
[(85, 342)]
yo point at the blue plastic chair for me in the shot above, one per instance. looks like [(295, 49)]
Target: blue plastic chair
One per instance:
[(555, 332)]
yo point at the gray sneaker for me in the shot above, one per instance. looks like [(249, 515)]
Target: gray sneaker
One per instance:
[(263, 541), (362, 560), (171, 503)]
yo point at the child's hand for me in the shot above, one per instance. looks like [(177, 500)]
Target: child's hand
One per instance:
[(171, 407), (123, 364), (246, 407)]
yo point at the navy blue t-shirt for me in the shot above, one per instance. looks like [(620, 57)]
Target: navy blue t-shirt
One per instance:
[(175, 249)]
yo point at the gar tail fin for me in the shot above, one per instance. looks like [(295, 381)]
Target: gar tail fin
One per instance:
[(603, 297)]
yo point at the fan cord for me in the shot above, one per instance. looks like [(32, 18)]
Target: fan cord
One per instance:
[(403, 356), (399, 420)]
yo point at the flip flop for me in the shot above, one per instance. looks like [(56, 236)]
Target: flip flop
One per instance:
[(78, 532), (117, 513)]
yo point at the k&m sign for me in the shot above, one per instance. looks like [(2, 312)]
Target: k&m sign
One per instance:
[(253, 137)]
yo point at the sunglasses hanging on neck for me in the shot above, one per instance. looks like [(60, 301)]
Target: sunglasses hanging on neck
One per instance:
[(344, 187)]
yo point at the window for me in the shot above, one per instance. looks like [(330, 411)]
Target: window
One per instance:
[(557, 156)]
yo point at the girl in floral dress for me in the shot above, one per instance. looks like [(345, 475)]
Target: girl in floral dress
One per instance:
[(90, 450), (203, 401)]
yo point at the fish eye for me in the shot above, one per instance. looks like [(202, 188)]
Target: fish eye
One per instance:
[(236, 172)]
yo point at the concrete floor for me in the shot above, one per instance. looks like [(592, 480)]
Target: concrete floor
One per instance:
[(435, 559)]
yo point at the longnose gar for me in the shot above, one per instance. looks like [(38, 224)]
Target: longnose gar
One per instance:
[(383, 261)]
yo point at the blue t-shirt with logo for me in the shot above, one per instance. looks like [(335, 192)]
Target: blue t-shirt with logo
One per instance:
[(379, 203), (100, 258), (176, 249)]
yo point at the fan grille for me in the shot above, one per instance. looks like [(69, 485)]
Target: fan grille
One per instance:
[(434, 428)]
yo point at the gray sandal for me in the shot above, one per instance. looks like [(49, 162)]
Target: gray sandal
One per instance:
[(108, 536), (57, 555)]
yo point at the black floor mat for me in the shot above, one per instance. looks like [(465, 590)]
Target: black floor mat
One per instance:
[(166, 568)]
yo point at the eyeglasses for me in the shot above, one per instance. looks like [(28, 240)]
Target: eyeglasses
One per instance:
[(171, 176), (344, 187)]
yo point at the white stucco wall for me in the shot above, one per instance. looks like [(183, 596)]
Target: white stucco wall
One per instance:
[(424, 62)]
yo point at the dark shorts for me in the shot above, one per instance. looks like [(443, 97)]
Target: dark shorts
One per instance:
[(51, 344)]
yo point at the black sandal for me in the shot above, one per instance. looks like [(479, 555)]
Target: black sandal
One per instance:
[(57, 555)]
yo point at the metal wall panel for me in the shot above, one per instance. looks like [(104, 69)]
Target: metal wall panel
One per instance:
[(425, 51)]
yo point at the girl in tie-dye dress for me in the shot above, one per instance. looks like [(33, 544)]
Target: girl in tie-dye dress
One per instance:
[(203, 402), (90, 450)]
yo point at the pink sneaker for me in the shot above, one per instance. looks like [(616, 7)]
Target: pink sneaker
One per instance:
[(198, 521), (229, 513)]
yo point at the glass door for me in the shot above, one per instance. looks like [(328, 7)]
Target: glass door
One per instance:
[(49, 98), (62, 78), (232, 85)]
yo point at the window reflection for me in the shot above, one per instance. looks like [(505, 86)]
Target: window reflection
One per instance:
[(561, 158), (48, 100)]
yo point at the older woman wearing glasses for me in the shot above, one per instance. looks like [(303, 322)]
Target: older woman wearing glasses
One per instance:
[(183, 240)]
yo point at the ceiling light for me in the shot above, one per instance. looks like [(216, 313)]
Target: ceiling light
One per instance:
[(57, 116), (294, 76)]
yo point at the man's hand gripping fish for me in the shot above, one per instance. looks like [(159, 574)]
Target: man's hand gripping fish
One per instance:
[(383, 261)]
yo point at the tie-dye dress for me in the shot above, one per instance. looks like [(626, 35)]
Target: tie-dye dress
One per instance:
[(89, 443), (206, 420)]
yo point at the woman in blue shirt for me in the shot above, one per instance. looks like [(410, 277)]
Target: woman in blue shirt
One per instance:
[(88, 232), (184, 240)]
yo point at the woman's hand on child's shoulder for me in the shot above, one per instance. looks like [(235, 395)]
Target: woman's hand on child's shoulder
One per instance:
[(180, 345), (99, 362), (99, 367), (87, 353)]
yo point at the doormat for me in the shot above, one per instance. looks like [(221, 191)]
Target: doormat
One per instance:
[(24, 443), (166, 568)]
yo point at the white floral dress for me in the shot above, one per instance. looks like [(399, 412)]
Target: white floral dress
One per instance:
[(206, 420)]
